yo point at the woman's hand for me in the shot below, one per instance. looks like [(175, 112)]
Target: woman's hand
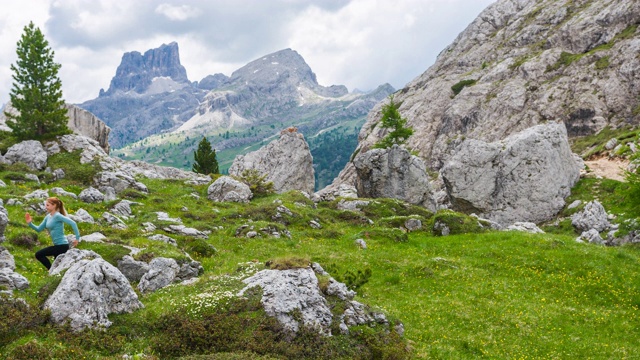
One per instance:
[(75, 243), (27, 217)]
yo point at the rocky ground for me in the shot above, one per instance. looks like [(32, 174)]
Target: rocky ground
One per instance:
[(607, 167)]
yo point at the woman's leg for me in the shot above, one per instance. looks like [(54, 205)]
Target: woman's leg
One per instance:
[(54, 251)]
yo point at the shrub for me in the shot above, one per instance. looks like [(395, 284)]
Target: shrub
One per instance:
[(201, 248), (26, 240), (256, 182), (457, 223), (18, 318), (69, 162), (461, 85), (285, 263), (353, 279)]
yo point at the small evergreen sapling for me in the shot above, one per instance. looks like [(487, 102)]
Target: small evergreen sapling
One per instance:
[(36, 92), (391, 119), (205, 161)]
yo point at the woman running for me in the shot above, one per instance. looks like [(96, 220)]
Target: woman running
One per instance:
[(54, 223)]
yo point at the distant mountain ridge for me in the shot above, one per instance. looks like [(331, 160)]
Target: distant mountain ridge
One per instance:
[(156, 112)]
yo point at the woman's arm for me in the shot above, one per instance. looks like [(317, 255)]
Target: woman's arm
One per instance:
[(36, 228), (73, 225)]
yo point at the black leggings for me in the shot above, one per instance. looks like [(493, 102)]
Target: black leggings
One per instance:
[(54, 251)]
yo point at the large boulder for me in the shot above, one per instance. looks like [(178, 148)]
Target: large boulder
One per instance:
[(89, 291), (29, 152), (292, 296), (287, 162), (226, 188), (393, 173), (525, 177), (132, 269), (162, 272), (72, 256)]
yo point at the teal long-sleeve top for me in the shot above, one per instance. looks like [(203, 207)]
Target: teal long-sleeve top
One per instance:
[(55, 224)]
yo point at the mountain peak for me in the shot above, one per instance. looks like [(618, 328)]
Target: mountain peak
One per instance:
[(137, 71), (275, 67)]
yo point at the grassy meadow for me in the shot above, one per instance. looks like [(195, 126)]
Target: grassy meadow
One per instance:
[(473, 294)]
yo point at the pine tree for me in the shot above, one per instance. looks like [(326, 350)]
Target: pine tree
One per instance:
[(392, 119), (36, 92), (205, 161)]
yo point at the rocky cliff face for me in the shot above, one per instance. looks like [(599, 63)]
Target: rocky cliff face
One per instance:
[(81, 122), (522, 63)]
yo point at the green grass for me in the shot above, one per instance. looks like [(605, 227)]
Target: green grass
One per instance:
[(505, 295)]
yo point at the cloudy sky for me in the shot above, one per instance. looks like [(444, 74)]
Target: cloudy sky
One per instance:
[(357, 43)]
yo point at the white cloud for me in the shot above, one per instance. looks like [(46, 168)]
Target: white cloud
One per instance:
[(178, 13)]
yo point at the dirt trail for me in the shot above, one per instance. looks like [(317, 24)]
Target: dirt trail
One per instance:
[(608, 168)]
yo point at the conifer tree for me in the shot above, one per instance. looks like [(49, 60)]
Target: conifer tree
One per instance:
[(36, 92), (205, 161), (392, 119)]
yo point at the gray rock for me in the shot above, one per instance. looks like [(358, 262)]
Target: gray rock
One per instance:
[(187, 231), (162, 272), (314, 224), (336, 288), (353, 205), (358, 314), (226, 188), (89, 291), (29, 152), (393, 173), (317, 268), (82, 216), (163, 216), (189, 270), (6, 259), (2, 184), (163, 238), (148, 227), (4, 221), (91, 195), (113, 220), (441, 228), (132, 269), (287, 162), (109, 193), (413, 224), (361, 243), (525, 177), (593, 216), (591, 236), (574, 204), (58, 174), (525, 227), (61, 192), (12, 280), (286, 293), (119, 181), (37, 194), (72, 256), (123, 208), (611, 144), (94, 237), (32, 177)]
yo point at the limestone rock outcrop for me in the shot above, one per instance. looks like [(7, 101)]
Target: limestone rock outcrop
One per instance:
[(226, 188), (525, 177), (393, 173), (287, 162), (29, 152), (89, 291), (519, 64), (81, 122), (286, 292)]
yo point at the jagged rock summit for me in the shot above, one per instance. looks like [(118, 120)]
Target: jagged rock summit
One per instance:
[(158, 70)]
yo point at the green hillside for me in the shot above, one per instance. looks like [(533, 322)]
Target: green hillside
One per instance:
[(472, 294)]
